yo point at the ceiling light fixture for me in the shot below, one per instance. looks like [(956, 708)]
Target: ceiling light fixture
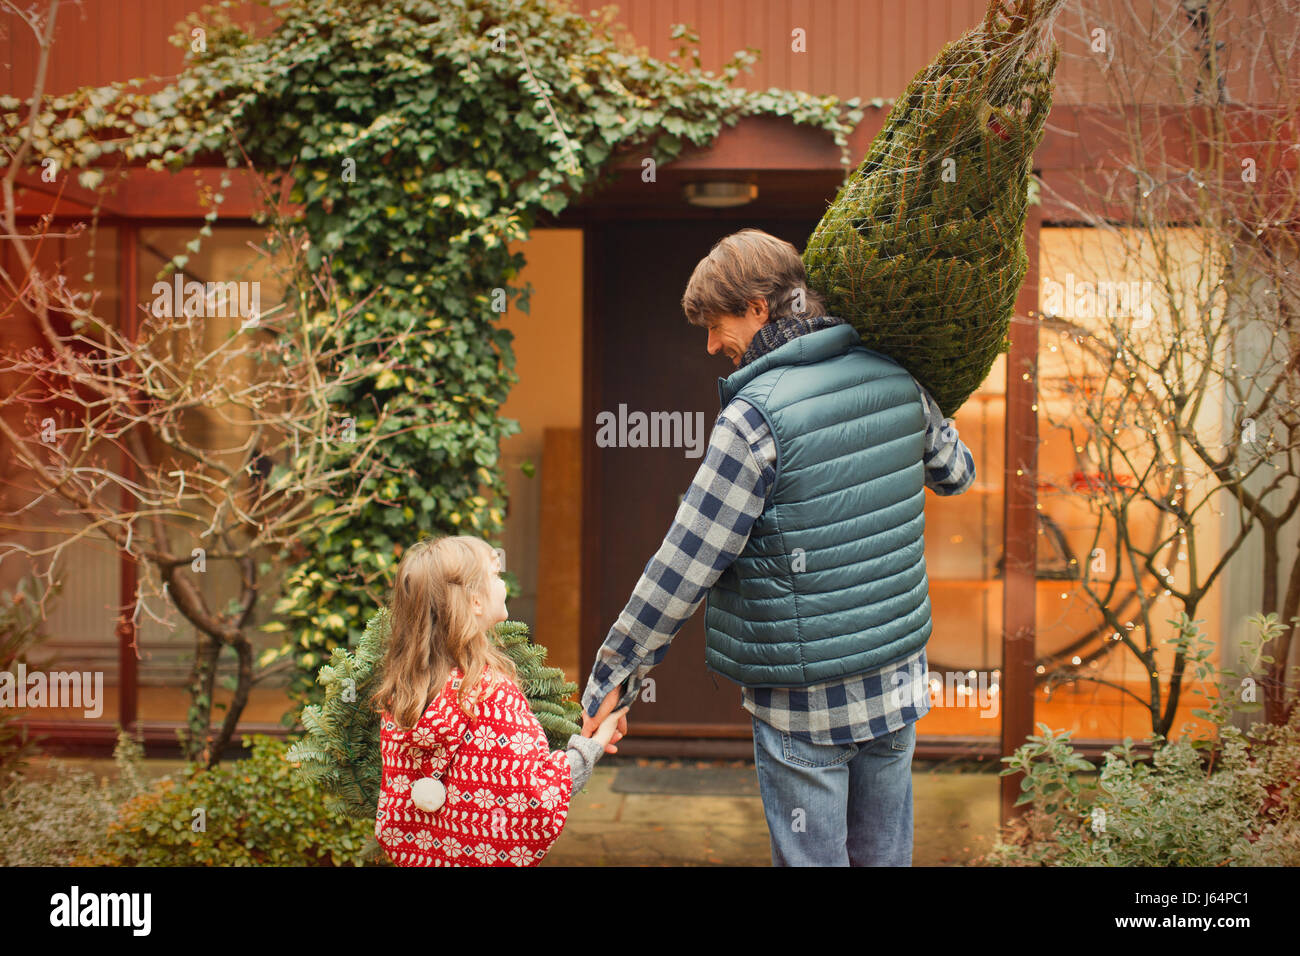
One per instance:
[(720, 195)]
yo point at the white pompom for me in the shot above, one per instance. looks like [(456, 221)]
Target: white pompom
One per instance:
[(428, 794)]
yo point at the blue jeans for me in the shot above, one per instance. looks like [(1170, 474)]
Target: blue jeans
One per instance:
[(836, 804)]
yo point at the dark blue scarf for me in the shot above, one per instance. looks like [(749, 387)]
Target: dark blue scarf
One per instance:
[(779, 331)]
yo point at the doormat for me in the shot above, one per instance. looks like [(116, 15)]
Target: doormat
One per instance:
[(688, 781)]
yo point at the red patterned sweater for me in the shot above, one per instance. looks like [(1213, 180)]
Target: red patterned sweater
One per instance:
[(507, 792)]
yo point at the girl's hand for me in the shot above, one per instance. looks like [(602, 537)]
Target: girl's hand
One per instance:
[(607, 727), (589, 724)]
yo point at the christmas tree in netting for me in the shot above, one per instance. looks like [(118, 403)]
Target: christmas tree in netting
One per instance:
[(923, 248), (340, 750)]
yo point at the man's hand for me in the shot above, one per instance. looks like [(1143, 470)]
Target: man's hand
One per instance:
[(589, 724)]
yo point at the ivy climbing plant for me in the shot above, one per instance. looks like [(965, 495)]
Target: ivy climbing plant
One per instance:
[(420, 138)]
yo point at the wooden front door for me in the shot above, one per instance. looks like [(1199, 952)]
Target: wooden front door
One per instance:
[(641, 353)]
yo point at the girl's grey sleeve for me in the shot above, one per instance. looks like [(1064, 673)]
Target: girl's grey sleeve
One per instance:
[(583, 753)]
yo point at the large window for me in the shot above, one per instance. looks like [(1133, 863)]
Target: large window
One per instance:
[(964, 543), (81, 627), (1103, 428)]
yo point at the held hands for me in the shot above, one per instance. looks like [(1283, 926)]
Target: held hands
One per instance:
[(609, 726)]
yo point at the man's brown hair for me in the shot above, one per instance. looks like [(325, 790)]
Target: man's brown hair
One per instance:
[(746, 265)]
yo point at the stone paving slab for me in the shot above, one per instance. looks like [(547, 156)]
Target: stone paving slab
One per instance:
[(955, 817), (699, 781), (650, 809)]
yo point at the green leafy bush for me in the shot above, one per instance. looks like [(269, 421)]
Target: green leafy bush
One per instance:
[(57, 817), (1170, 812), (253, 812), (1239, 807)]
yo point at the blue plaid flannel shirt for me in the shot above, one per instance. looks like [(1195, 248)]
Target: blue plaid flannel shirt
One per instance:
[(709, 531)]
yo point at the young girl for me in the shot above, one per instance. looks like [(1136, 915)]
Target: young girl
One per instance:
[(469, 778)]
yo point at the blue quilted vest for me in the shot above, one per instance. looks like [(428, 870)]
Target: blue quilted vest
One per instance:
[(832, 580)]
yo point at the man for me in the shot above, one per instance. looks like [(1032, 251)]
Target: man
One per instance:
[(803, 529)]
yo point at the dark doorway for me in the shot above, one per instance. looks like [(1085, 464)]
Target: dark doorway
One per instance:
[(641, 352)]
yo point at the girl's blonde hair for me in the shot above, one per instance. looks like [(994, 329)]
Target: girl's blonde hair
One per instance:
[(433, 628)]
